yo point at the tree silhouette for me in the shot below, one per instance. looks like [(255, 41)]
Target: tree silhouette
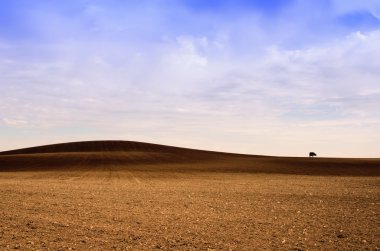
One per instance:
[(312, 154)]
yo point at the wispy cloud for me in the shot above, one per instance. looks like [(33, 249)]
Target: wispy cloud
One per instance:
[(15, 122), (228, 75)]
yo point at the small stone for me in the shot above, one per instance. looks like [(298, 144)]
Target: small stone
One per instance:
[(158, 246)]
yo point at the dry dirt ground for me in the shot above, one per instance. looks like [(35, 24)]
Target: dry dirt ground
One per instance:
[(144, 201)]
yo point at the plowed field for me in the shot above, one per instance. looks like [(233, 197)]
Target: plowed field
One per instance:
[(135, 196)]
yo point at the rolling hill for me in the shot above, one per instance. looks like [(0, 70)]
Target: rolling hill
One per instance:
[(138, 156)]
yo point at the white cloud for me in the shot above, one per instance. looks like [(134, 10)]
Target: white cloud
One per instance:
[(188, 54), (238, 87), (15, 122)]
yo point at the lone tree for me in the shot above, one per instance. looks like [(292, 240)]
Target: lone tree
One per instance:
[(312, 154)]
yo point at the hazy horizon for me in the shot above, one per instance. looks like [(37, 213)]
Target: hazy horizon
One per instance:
[(259, 77)]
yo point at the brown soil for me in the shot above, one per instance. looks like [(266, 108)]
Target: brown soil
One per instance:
[(136, 196)]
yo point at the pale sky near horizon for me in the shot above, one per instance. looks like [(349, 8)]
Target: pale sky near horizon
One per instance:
[(273, 77)]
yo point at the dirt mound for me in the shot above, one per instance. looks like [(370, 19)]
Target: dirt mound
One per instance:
[(96, 146), (136, 156)]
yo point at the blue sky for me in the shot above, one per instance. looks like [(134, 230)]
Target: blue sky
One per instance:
[(262, 77)]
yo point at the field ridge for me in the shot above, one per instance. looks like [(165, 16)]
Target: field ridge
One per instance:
[(139, 156)]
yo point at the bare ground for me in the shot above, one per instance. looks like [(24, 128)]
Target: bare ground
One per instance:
[(193, 205), (138, 211)]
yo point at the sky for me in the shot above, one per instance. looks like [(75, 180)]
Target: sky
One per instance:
[(272, 77)]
